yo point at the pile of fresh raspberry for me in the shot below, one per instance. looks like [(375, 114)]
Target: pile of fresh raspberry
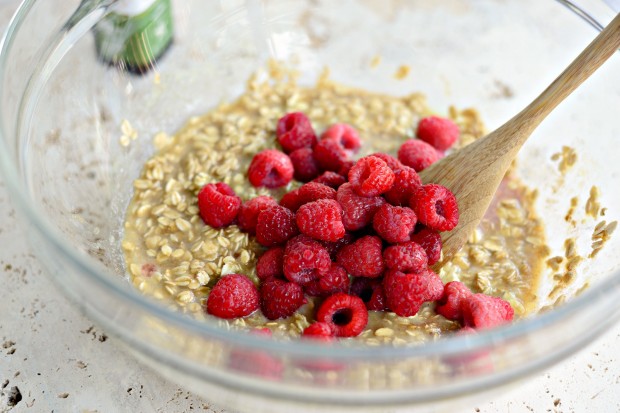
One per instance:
[(358, 236)]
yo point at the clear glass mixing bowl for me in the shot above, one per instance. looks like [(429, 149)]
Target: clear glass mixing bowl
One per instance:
[(70, 178)]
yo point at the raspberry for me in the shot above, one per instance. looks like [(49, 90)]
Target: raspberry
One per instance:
[(442, 133), (280, 298), (406, 181), (294, 131), (218, 204), (485, 311), (405, 257), (320, 331), (345, 135), (406, 292), (370, 290), (275, 226), (331, 179), (330, 155), (357, 211), (147, 270), (466, 330), (394, 224), (392, 162), (418, 154), (450, 305), (306, 168), (363, 258), (248, 214), (291, 200), (310, 192), (345, 168), (346, 314), (258, 363), (435, 285), (271, 169), (436, 207), (321, 220), (305, 260), (263, 331), (234, 295), (430, 240), (270, 264), (334, 247), (371, 176), (313, 191), (334, 281)]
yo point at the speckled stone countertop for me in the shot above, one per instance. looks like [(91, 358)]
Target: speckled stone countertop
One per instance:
[(54, 359)]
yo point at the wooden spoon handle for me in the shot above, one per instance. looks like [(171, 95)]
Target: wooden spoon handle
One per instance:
[(474, 172), (593, 56)]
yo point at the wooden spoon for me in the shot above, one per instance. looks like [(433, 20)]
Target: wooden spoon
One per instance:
[(474, 172)]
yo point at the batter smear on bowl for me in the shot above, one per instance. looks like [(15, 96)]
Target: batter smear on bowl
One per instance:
[(299, 209)]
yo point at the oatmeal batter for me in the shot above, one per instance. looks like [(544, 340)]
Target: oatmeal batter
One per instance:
[(174, 257)]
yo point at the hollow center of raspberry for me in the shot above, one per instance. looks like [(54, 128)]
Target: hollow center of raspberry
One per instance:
[(365, 174), (273, 175), (439, 208), (342, 317)]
